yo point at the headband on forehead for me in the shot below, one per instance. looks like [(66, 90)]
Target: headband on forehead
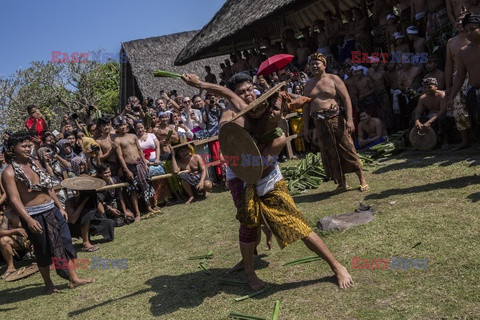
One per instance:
[(430, 81), (318, 56), (471, 18)]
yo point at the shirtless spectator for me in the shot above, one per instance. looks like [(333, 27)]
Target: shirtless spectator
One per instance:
[(332, 31), (437, 18), (288, 39), (419, 43), (467, 65), (459, 109), (454, 9), (135, 166), (196, 177), (166, 134), (348, 31), (405, 12), (31, 195), (371, 131), (433, 72), (382, 97), (13, 238), (363, 40), (108, 148), (363, 98), (310, 41), (228, 68), (431, 109), (391, 30), (323, 45), (210, 77), (472, 6), (419, 14), (302, 54), (401, 43)]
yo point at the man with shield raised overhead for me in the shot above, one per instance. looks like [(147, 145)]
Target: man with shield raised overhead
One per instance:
[(336, 145), (251, 128)]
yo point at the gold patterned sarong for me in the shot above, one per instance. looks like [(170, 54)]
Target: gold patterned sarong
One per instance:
[(277, 210)]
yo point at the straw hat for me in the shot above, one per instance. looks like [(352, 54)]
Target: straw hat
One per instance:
[(239, 148), (83, 183), (425, 139), (261, 101)]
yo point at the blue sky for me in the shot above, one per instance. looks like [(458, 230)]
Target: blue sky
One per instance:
[(31, 30)]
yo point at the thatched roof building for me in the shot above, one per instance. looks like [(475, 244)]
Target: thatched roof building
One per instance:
[(240, 24), (147, 55)]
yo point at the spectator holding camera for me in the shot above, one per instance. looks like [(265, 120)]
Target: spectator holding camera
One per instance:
[(184, 134), (192, 117), (36, 122)]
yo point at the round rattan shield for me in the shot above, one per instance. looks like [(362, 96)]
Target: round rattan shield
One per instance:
[(241, 152), (425, 139), (83, 183)]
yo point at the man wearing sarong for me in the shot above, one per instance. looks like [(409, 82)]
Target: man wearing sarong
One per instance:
[(268, 202), (336, 145), (32, 197), (460, 113), (135, 166), (467, 64)]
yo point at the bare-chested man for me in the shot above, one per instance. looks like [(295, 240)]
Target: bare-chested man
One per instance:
[(419, 43), (166, 134), (108, 148), (332, 31), (242, 95), (437, 17), (363, 98), (363, 41), (401, 43), (434, 72), (337, 149), (467, 64), (196, 176), (472, 6), (454, 10), (134, 165), (462, 120), (371, 131), (382, 97), (431, 108), (33, 199), (323, 45)]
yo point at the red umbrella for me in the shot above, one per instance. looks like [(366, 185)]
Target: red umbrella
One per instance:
[(274, 63)]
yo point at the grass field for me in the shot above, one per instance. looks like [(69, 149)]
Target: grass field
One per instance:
[(427, 208)]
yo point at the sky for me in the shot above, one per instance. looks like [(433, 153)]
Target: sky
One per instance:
[(31, 30)]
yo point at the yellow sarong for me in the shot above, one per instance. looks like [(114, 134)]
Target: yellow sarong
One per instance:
[(277, 210)]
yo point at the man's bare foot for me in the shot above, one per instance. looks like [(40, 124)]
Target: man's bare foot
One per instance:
[(254, 282), (137, 218), (206, 194), (238, 267), (7, 273), (79, 282), (51, 290), (190, 200), (343, 277)]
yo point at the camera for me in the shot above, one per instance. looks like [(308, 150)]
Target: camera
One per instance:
[(73, 116), (212, 101)]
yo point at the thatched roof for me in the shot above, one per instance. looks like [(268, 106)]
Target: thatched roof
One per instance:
[(239, 24), (147, 55)]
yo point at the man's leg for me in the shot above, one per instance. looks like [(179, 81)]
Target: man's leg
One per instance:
[(247, 250), (188, 189), (85, 234), (314, 243), (45, 272), (134, 199), (6, 247)]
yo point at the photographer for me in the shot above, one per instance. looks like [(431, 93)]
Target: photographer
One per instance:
[(134, 108), (192, 117), (212, 112), (170, 103)]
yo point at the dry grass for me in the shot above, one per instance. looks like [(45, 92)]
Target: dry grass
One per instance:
[(434, 217)]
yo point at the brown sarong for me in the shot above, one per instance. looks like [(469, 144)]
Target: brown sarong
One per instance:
[(336, 146)]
